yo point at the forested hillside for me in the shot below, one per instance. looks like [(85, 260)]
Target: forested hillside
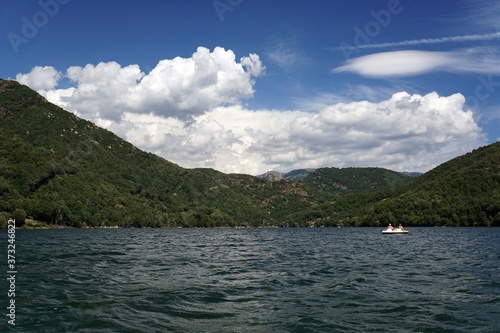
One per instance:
[(462, 192), (350, 180), (61, 170)]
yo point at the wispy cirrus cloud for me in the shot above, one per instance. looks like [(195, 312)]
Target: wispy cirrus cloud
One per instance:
[(178, 87), (427, 41), (401, 132), (483, 14), (350, 93), (286, 54)]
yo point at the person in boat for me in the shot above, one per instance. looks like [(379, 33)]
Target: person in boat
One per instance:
[(400, 227), (390, 227)]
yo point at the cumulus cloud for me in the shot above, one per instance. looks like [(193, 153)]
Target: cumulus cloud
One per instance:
[(226, 138), (101, 91), (184, 87), (40, 78), (189, 111), (413, 62), (179, 87), (405, 132)]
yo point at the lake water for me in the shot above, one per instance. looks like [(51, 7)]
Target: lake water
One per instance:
[(256, 280)]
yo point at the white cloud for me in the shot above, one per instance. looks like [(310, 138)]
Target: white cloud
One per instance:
[(224, 138), (40, 78), (405, 132), (412, 62), (185, 87), (179, 87), (482, 60), (101, 91), (389, 134), (189, 111), (253, 65), (483, 14), (60, 97), (397, 63), (351, 92), (286, 54), (429, 41)]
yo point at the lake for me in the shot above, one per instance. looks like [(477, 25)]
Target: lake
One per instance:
[(255, 280)]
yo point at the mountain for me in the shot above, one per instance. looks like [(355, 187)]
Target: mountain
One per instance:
[(412, 174), (297, 175), (293, 176), (62, 170), (350, 180), (271, 176)]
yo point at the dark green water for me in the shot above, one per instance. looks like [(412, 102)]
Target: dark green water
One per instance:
[(255, 280)]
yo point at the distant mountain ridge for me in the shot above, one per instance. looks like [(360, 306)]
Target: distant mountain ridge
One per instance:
[(294, 175), (61, 170), (342, 181)]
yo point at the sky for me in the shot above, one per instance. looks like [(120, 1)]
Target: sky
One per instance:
[(249, 86)]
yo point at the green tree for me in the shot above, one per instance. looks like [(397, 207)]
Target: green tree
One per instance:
[(20, 216)]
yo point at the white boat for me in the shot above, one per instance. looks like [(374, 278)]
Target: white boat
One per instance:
[(395, 231)]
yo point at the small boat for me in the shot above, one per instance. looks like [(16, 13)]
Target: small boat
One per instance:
[(395, 231)]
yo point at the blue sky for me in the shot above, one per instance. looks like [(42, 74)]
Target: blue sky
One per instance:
[(251, 86)]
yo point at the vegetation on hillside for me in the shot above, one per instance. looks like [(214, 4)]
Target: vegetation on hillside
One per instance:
[(62, 170), (350, 180), (59, 169), (462, 192)]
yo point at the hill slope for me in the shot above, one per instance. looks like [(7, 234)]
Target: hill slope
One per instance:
[(462, 192)]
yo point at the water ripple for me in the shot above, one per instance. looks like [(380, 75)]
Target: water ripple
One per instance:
[(258, 280)]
